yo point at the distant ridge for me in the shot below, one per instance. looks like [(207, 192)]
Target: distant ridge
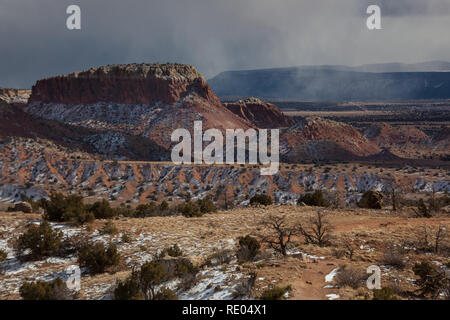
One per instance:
[(391, 81)]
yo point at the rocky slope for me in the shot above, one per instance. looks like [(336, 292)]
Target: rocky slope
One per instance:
[(259, 113), (149, 100), (384, 134), (35, 169), (322, 139)]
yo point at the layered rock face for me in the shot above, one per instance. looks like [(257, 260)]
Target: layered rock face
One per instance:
[(259, 113), (149, 100), (322, 139), (15, 96), (126, 84)]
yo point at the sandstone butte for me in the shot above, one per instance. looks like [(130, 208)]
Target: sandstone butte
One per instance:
[(262, 114)]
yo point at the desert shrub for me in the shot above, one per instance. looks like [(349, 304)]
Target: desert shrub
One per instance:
[(206, 206), (220, 256), (146, 210), (393, 258), (275, 293), (153, 273), (248, 248), (185, 267), (244, 288), (422, 210), (101, 210), (348, 277), (173, 251), (385, 293), (41, 290), (129, 289), (3, 256), (261, 199), (109, 228), (190, 209), (42, 241), (97, 258), (431, 281), (164, 206), (371, 200), (315, 199), (165, 294), (66, 209), (125, 238)]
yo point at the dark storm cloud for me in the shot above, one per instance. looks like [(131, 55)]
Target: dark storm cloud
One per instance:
[(214, 35), (409, 7)]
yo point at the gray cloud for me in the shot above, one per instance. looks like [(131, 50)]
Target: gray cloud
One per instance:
[(214, 35)]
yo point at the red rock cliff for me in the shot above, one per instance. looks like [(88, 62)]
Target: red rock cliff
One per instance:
[(128, 84)]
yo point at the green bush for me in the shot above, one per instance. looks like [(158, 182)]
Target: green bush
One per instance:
[(315, 199), (261, 199), (164, 206), (431, 280), (146, 210), (173, 251), (125, 238), (97, 258), (248, 248), (3, 256), (422, 209), (151, 275), (142, 284), (129, 289), (274, 293), (101, 210), (371, 200), (190, 209), (109, 228), (41, 240), (66, 209), (385, 293), (41, 290), (165, 294), (206, 206)]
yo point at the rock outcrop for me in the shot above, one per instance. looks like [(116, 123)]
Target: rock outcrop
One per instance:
[(149, 100), (385, 135), (15, 96), (259, 113), (322, 139)]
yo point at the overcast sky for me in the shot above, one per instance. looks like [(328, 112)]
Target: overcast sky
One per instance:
[(215, 35)]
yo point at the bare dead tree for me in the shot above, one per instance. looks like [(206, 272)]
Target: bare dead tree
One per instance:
[(440, 236), (349, 249), (318, 231), (281, 233)]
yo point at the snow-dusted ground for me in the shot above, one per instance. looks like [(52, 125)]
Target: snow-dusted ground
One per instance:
[(214, 282)]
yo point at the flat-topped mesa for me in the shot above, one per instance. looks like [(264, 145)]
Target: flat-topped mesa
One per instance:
[(126, 84), (259, 113)]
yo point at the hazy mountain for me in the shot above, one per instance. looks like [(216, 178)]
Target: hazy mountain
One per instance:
[(428, 80)]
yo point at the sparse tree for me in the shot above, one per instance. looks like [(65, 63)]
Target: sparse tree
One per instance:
[(318, 231), (281, 233)]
